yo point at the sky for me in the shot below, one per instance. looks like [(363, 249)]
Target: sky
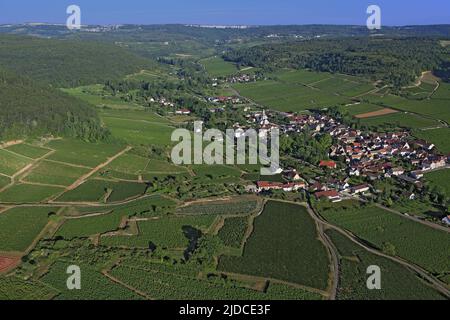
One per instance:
[(227, 12)]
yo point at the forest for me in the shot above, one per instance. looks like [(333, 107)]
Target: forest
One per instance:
[(63, 63), (31, 109), (396, 62)]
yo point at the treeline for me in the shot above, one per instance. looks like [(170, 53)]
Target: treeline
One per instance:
[(395, 62), (28, 109), (163, 33), (64, 63)]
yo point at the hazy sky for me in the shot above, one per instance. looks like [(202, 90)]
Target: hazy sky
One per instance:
[(247, 12)]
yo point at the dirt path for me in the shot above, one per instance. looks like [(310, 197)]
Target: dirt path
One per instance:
[(97, 168), (439, 286), (117, 281), (426, 223)]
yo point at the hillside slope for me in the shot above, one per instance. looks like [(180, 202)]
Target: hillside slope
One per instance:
[(64, 63), (28, 109)]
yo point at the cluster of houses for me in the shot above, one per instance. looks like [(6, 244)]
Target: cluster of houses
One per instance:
[(359, 154), (242, 78), (225, 99), (162, 101)]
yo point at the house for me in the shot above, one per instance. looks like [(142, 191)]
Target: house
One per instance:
[(417, 174), (266, 186), (446, 220), (292, 175), (328, 164), (183, 112), (251, 188), (363, 188), (331, 195), (397, 171)]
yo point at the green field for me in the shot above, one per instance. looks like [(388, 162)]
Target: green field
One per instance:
[(28, 150), (439, 137), (410, 240), (94, 285), (397, 283), (27, 193), (167, 232), (11, 163), (90, 191), (20, 226), (287, 96), (400, 119), (297, 90), (138, 132), (95, 190), (82, 153), (217, 67), (233, 231), (55, 173), (226, 207), (283, 246), (133, 114), (437, 107), (4, 181), (173, 286), (15, 288), (111, 217), (361, 108), (440, 179)]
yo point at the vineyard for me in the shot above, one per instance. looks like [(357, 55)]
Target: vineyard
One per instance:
[(233, 231), (396, 235), (172, 286), (398, 282), (283, 246), (225, 207), (94, 285)]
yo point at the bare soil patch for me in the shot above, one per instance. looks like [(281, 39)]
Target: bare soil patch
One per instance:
[(378, 113), (7, 263)]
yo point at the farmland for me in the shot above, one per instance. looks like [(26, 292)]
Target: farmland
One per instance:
[(28, 193), (139, 131), (28, 150), (217, 67), (173, 286), (397, 282), (233, 231), (55, 173), (167, 232), (110, 217), (440, 180), (439, 137), (400, 119), (82, 153), (223, 207), (94, 285), (291, 90), (20, 226), (14, 288), (11, 163), (274, 249), (408, 239)]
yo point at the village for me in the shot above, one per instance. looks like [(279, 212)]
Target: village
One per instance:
[(366, 156)]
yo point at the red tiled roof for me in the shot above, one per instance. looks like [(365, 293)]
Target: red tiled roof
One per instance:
[(328, 194), (330, 164)]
